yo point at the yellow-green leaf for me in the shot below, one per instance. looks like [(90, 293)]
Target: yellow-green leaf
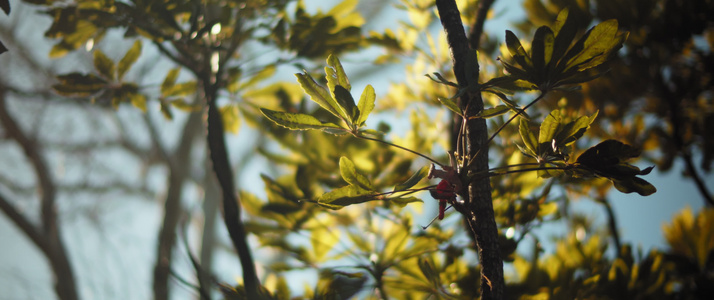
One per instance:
[(349, 173), (103, 64), (365, 105), (129, 59), (296, 121), (231, 118)]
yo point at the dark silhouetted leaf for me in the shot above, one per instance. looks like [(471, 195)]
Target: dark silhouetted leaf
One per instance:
[(103, 64), (77, 84), (5, 5)]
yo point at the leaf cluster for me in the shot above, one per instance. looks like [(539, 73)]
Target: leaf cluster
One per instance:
[(556, 59)]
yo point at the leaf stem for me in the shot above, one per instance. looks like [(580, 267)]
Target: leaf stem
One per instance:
[(400, 147), (542, 94)]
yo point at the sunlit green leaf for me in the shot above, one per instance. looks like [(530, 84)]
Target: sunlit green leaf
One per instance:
[(451, 105), (231, 118), (182, 89), (169, 81), (138, 100), (352, 176), (365, 105), (529, 139), (322, 240), (413, 180), (335, 74), (129, 59), (320, 95), (494, 111), (346, 195), (296, 121)]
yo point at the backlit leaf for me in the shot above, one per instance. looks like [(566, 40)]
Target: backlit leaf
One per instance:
[(103, 64), (169, 81), (346, 102), (335, 74), (413, 180), (231, 118), (528, 138), (129, 59), (365, 105), (77, 84), (296, 121), (352, 176), (346, 195), (320, 95), (451, 105)]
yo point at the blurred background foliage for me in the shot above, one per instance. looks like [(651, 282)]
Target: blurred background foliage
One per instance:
[(108, 103)]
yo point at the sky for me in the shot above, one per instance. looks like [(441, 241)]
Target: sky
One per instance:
[(124, 239)]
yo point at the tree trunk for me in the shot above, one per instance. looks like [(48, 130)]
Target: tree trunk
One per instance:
[(478, 207)]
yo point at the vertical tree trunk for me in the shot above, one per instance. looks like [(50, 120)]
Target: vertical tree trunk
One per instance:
[(478, 208)]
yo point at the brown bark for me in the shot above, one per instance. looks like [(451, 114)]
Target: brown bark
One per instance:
[(47, 238), (478, 207)]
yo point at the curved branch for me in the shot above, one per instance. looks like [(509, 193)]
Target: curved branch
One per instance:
[(477, 29), (224, 174), (47, 238)]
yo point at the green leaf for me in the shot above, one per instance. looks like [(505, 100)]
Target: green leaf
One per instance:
[(451, 105), (346, 195), (365, 105), (265, 73), (494, 111), (129, 59), (574, 130), (548, 129), (528, 138), (182, 89), (352, 176), (598, 43), (517, 51), (231, 118), (322, 240), (169, 81), (564, 29), (335, 74), (320, 95), (635, 184), (413, 180), (296, 121), (77, 84), (103, 64), (138, 101), (347, 103), (402, 202), (541, 50)]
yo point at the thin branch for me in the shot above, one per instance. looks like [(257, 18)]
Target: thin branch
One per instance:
[(22, 222), (477, 29), (400, 147)]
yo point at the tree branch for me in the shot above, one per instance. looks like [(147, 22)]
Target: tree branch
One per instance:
[(48, 239), (478, 208), (477, 29), (224, 174)]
